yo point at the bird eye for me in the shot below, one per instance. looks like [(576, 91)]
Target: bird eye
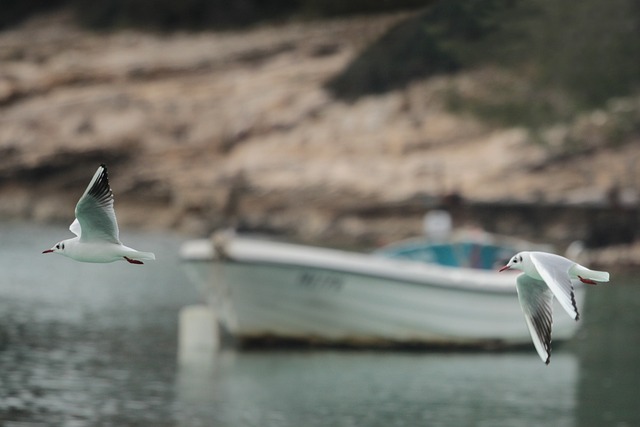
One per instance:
[(58, 246)]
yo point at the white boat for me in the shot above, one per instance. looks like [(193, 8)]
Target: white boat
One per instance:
[(407, 294)]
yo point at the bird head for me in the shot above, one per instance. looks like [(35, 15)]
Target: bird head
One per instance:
[(57, 248), (515, 263)]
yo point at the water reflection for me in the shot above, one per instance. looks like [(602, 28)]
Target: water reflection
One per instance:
[(609, 351), (382, 389)]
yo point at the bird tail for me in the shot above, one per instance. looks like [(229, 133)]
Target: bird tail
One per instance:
[(599, 276), (147, 256), (596, 276)]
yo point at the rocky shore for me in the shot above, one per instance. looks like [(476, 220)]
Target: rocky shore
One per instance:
[(207, 130)]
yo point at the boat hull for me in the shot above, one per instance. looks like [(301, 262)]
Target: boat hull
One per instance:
[(341, 303)]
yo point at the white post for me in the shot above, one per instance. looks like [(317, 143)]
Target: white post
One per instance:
[(198, 338)]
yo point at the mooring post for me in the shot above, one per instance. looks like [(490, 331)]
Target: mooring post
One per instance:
[(198, 336)]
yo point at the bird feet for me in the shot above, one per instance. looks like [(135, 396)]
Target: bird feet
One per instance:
[(135, 261), (587, 281)]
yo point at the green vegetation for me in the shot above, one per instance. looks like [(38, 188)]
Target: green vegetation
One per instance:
[(551, 59), (590, 48), (446, 37), (562, 57), (14, 11), (168, 15), (504, 97)]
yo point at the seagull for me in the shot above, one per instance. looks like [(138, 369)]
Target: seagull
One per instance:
[(96, 228), (545, 276)]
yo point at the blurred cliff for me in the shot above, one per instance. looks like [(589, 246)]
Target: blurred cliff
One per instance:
[(297, 118)]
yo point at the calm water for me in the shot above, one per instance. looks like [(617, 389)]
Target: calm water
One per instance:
[(95, 345)]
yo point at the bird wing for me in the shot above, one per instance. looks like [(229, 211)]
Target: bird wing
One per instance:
[(94, 211), (75, 227), (554, 270), (536, 301)]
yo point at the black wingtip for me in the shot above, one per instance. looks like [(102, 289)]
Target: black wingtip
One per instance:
[(574, 304), (548, 348), (546, 362), (103, 165), (100, 188)]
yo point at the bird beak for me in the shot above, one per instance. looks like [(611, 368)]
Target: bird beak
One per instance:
[(48, 251), (506, 267)]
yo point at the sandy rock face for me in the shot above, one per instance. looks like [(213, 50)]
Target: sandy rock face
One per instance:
[(214, 129)]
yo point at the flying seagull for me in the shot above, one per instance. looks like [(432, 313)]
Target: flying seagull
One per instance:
[(545, 276), (96, 228)]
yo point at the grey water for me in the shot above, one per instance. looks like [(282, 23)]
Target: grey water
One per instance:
[(96, 345)]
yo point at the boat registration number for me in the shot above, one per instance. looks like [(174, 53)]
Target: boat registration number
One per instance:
[(320, 280)]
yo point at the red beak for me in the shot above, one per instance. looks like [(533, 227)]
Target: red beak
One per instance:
[(506, 267), (48, 251)]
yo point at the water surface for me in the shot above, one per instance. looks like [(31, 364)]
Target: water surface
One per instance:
[(95, 345)]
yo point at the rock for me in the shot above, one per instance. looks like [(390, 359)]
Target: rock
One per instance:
[(208, 130)]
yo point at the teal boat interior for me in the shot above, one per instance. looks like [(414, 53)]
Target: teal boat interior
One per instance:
[(464, 254)]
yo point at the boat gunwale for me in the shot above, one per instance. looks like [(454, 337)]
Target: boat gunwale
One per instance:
[(248, 250)]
